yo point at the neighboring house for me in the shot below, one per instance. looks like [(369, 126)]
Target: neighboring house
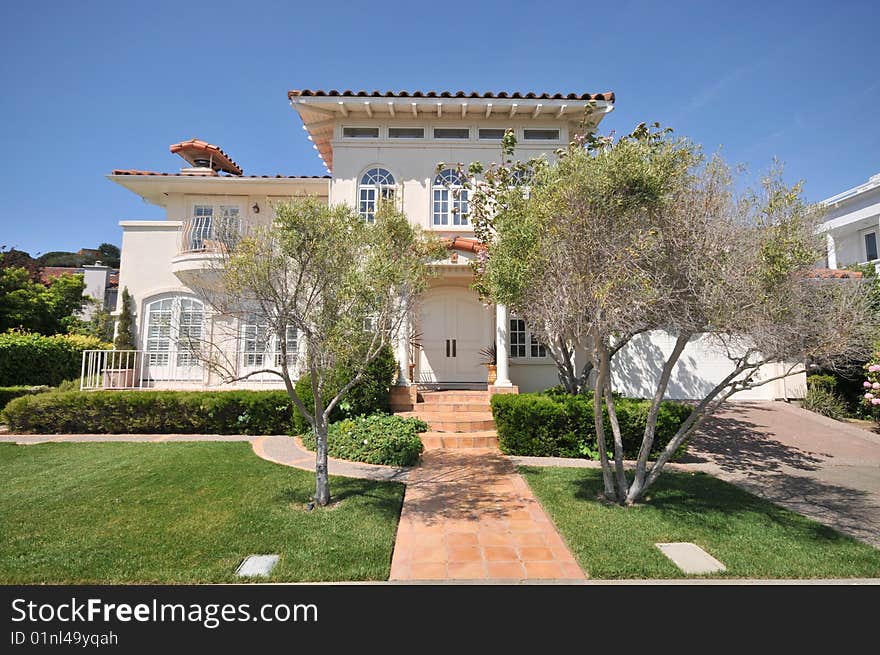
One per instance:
[(852, 225), (374, 145), (102, 283)]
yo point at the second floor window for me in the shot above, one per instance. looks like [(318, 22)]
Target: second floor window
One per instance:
[(871, 246), (450, 200), (376, 184), (212, 227)]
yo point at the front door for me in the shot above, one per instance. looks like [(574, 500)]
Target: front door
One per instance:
[(455, 326)]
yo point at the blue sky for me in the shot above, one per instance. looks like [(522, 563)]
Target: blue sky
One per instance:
[(93, 86)]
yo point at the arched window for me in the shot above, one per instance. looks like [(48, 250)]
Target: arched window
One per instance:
[(449, 197), (174, 326), (375, 183)]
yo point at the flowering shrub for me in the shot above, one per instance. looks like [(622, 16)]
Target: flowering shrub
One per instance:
[(871, 398)]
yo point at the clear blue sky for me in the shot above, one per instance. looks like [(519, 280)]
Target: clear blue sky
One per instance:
[(92, 86)]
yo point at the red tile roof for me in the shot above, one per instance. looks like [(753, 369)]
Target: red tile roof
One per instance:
[(126, 171), (531, 95), (48, 273), (833, 273), (462, 243), (196, 149)]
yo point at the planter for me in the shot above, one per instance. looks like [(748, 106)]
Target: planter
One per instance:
[(493, 373), (120, 378)]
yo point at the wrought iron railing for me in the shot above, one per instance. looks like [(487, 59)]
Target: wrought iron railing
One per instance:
[(211, 234)]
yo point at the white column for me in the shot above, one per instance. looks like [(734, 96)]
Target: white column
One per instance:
[(502, 346), (832, 250), (402, 347)]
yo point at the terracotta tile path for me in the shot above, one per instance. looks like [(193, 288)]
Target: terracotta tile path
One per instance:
[(468, 515)]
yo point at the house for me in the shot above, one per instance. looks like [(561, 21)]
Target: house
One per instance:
[(374, 145), (852, 225), (102, 282)]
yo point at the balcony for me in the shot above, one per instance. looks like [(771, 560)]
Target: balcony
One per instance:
[(203, 242)]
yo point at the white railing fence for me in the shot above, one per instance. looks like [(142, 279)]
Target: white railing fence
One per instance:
[(211, 234), (112, 369)]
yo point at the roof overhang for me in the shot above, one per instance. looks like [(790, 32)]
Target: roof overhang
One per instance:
[(155, 187), (321, 110)]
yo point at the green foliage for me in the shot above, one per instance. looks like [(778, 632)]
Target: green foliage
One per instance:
[(369, 396), (31, 306), (822, 381), (125, 330), (561, 425), (149, 412), (10, 393), (36, 359), (377, 439), (109, 255), (822, 400)]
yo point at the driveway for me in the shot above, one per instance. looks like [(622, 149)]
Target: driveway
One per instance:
[(824, 469)]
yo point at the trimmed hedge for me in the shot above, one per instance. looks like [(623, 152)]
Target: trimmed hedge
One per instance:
[(34, 359), (377, 439), (146, 412), (369, 396), (555, 425), (10, 393)]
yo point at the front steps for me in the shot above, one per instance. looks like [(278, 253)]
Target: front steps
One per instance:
[(456, 419)]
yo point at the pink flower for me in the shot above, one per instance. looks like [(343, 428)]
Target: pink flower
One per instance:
[(875, 401), (869, 396), (874, 368), (876, 385), (866, 384)]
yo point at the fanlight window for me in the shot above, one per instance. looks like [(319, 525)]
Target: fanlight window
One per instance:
[(376, 183), (449, 198), (174, 327)]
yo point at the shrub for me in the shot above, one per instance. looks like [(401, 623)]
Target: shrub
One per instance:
[(822, 401), (369, 396), (144, 412), (34, 359), (822, 382), (10, 393), (376, 439), (559, 425)]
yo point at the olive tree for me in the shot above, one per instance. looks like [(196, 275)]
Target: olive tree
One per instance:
[(645, 234), (342, 285)]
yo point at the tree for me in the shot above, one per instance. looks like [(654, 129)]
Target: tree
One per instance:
[(34, 307), (643, 234), (110, 255), (125, 327), (323, 275)]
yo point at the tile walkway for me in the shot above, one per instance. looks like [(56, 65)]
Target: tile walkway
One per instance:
[(468, 515)]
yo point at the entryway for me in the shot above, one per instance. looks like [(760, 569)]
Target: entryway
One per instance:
[(455, 326)]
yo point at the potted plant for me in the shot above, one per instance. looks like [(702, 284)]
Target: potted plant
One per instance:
[(490, 361)]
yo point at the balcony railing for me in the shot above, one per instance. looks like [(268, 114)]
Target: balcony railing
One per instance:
[(211, 234)]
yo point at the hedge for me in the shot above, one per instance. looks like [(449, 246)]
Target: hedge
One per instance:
[(147, 412), (554, 425), (369, 396), (377, 439), (9, 393), (34, 359)]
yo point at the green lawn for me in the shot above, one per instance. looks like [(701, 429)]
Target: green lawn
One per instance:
[(752, 537), (181, 513)]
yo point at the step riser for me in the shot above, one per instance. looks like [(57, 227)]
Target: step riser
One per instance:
[(459, 443), (454, 398), (452, 407), (460, 426)]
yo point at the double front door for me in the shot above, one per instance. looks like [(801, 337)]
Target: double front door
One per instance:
[(455, 326)]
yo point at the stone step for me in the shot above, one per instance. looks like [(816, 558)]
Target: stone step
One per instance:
[(443, 397), (454, 421), (453, 407), (481, 439)]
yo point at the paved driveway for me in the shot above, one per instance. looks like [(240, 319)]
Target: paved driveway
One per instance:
[(813, 465)]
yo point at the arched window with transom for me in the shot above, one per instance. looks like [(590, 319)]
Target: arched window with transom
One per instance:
[(376, 183), (450, 200)]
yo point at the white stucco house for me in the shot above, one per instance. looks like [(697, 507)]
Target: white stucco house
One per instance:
[(374, 144), (852, 225)]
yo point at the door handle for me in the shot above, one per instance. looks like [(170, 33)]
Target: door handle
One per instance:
[(447, 347), (453, 347)]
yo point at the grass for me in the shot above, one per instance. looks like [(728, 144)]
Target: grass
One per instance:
[(752, 537), (181, 513)]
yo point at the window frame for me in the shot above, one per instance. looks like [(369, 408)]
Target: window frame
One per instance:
[(343, 135), (448, 196), (491, 139), (174, 331), (864, 244), (556, 139), (528, 345), (387, 191), (406, 138), (454, 139), (266, 350)]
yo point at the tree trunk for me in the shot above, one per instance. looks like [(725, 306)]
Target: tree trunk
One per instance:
[(600, 433), (322, 477), (615, 425)]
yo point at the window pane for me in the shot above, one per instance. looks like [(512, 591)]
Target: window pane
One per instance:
[(541, 135), (360, 132), (406, 133), (517, 337), (452, 133), (871, 245), (495, 134)]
